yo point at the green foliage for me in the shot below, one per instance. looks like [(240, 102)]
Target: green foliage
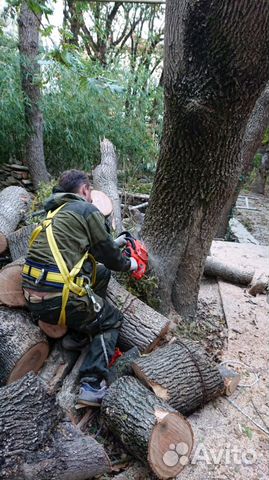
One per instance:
[(266, 137), (145, 289), (43, 192), (12, 121), (82, 103)]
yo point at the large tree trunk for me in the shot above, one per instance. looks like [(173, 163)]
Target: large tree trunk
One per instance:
[(32, 443), (181, 374), (146, 425), (211, 85), (29, 24), (262, 174), (256, 126), (23, 346), (14, 204)]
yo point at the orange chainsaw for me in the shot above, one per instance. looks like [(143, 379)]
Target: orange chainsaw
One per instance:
[(134, 248)]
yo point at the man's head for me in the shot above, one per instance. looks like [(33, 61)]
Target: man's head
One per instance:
[(75, 181)]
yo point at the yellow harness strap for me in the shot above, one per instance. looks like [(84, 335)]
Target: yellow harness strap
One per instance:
[(67, 277)]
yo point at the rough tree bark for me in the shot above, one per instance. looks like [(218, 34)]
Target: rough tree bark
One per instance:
[(262, 174), (34, 445), (29, 23), (14, 204), (105, 178), (182, 374), (146, 425), (211, 85)]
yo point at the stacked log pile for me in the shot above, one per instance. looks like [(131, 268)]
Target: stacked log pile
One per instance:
[(15, 174)]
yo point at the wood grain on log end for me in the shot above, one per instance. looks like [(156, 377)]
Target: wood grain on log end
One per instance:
[(230, 378), (170, 445), (23, 346), (11, 293), (52, 331), (31, 361), (3, 243)]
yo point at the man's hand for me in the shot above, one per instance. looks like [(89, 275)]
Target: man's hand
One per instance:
[(134, 264), (121, 240)]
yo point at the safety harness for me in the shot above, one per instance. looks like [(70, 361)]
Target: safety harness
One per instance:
[(68, 281)]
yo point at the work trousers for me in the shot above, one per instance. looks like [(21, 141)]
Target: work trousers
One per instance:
[(102, 328)]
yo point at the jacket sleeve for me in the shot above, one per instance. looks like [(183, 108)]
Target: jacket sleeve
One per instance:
[(103, 247)]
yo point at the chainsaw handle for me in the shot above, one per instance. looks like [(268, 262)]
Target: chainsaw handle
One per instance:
[(129, 237)]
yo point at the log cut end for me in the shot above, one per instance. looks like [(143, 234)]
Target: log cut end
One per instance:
[(3, 243), (11, 293), (170, 444), (31, 361), (102, 202), (52, 331)]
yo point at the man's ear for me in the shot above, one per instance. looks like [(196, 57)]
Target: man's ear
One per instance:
[(85, 192)]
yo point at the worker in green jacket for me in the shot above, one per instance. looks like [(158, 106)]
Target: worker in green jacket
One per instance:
[(63, 283)]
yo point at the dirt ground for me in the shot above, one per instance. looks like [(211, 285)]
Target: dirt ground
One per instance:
[(228, 445)]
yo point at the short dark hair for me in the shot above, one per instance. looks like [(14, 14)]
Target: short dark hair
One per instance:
[(71, 180)]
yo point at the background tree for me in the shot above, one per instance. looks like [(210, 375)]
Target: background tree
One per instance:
[(253, 136), (29, 23), (211, 85)]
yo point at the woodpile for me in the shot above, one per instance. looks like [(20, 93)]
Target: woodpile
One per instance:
[(15, 174)]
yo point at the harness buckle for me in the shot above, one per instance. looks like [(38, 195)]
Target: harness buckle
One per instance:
[(41, 277)]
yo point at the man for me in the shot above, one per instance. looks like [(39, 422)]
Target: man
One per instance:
[(59, 272)]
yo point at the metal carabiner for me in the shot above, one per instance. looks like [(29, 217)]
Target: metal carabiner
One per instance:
[(96, 306)]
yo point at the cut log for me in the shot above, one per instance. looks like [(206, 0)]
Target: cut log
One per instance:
[(58, 365), (135, 472), (52, 331), (18, 241), (11, 293), (181, 374), (142, 327), (240, 233), (259, 285), (123, 365), (229, 273), (105, 179), (33, 444), (14, 203), (230, 378), (23, 346), (148, 427), (102, 202)]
